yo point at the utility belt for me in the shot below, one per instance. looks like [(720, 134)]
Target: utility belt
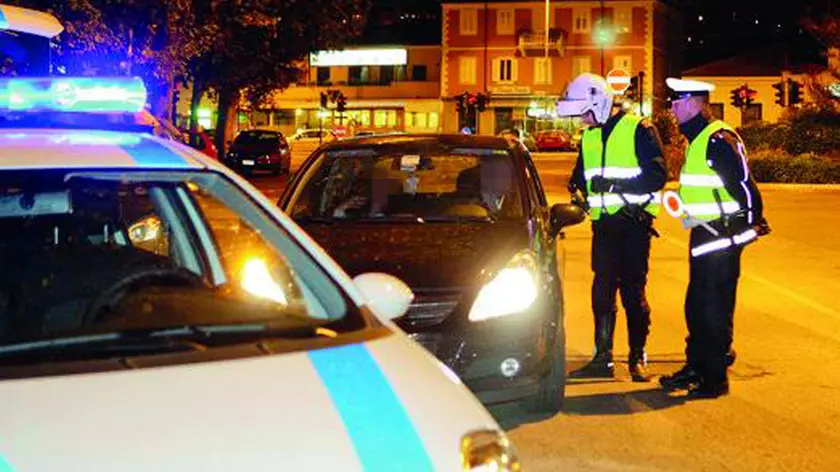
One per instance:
[(636, 213)]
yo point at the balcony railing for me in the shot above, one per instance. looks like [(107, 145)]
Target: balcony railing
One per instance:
[(533, 43)]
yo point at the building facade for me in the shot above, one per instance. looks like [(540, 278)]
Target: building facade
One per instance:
[(524, 54), (762, 71), (388, 88)]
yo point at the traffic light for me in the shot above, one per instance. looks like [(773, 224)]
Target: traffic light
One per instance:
[(749, 95), (781, 97), (632, 92), (341, 103), (463, 102), (794, 92), (482, 100), (740, 97), (323, 100)]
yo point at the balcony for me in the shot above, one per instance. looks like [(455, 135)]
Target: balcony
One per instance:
[(533, 43)]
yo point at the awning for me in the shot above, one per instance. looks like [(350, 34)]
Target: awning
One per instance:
[(29, 21)]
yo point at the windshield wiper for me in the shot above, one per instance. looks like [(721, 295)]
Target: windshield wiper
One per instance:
[(157, 340), (208, 332), (460, 219), (114, 343)]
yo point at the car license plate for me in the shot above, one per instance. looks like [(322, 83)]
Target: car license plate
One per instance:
[(247, 162)]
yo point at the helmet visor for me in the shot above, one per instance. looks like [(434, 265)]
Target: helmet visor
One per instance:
[(573, 107)]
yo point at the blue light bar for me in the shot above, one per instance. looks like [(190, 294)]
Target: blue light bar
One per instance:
[(73, 94)]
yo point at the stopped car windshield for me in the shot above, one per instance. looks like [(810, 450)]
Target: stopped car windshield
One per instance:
[(393, 182), (124, 257)]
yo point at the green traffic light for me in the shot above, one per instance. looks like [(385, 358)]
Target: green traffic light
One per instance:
[(604, 33)]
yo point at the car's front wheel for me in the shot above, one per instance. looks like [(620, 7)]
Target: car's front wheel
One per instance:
[(552, 390)]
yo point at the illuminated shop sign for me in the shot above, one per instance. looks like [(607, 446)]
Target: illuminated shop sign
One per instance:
[(360, 57)]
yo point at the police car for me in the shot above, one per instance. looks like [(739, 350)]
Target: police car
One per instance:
[(159, 313)]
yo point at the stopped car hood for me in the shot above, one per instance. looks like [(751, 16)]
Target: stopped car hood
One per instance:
[(431, 255), (316, 410)]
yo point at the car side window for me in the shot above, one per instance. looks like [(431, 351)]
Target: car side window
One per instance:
[(535, 187)]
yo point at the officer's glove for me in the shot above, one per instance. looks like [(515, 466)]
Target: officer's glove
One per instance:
[(572, 187), (762, 228), (602, 185)]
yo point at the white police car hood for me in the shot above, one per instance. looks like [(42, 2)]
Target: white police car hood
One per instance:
[(383, 405)]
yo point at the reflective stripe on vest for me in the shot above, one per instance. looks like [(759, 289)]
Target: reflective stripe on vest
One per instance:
[(609, 199), (721, 244), (619, 161), (699, 183)]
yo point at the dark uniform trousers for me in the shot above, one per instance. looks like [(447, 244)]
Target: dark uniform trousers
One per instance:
[(710, 308), (620, 253)]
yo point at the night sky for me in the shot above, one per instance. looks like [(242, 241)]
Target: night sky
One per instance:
[(714, 29)]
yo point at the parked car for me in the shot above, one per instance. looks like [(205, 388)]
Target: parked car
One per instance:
[(521, 136), (256, 150), (554, 140), (464, 221), (203, 142), (305, 142)]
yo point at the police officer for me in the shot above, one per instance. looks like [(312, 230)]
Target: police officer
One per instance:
[(723, 208), (620, 170)]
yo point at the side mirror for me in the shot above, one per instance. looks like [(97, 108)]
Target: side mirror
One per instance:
[(387, 295), (564, 215)]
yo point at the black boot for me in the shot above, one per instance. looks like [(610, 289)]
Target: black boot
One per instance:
[(708, 389), (637, 364), (601, 365), (682, 379)]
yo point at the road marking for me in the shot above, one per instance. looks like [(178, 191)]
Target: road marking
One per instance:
[(773, 285)]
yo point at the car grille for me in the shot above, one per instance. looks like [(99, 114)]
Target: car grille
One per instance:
[(430, 308)]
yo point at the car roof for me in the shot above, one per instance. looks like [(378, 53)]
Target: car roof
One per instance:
[(454, 140), (59, 148)]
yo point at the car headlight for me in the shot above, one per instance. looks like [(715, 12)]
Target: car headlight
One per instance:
[(488, 451), (514, 289)]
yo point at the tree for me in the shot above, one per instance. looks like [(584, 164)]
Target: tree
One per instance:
[(825, 27), (153, 39), (262, 47)]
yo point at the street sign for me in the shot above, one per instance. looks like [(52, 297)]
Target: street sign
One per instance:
[(619, 80)]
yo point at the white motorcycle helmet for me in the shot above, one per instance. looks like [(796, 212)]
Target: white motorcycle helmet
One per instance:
[(588, 92)]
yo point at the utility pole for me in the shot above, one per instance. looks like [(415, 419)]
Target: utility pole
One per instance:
[(601, 21)]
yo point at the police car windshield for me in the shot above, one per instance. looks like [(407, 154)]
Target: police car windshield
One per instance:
[(428, 184), (93, 251)]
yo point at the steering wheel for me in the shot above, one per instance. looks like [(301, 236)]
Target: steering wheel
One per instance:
[(99, 308)]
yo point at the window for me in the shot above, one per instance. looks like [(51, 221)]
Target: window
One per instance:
[(469, 21), (466, 70), (542, 70), (385, 119), (582, 20), (623, 19), (354, 74), (434, 120), (580, 65), (752, 114), (504, 69), (323, 76), (386, 75), (368, 183), (418, 73), (504, 22), (174, 249), (623, 62), (717, 110)]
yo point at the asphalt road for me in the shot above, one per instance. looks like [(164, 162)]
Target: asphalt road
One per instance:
[(784, 409)]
